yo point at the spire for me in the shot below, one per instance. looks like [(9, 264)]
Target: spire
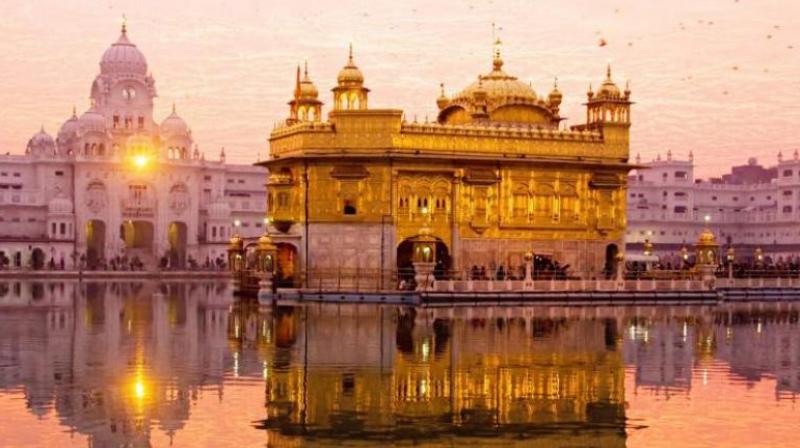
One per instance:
[(124, 25), (608, 72), (350, 56), (74, 112), (305, 71), (497, 60), (441, 86), (173, 108), (297, 83), (555, 83)]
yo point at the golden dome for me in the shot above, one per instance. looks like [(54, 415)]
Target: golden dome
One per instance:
[(608, 89), (707, 238), (555, 95), (307, 88), (236, 242), (499, 97), (265, 243), (443, 100), (350, 74)]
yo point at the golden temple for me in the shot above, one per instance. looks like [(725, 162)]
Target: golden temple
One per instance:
[(494, 177)]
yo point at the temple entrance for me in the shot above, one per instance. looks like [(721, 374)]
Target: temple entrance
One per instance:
[(95, 243), (138, 238), (286, 273), (37, 259), (177, 236), (137, 234), (611, 260), (405, 259)]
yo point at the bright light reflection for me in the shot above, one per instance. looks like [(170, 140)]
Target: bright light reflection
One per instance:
[(139, 389), (140, 161)]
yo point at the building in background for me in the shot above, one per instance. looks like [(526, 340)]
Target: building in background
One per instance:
[(493, 177), (115, 183), (751, 207)]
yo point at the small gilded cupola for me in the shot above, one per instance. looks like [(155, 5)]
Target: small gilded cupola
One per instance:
[(608, 104), (555, 97), (305, 106), (350, 93)]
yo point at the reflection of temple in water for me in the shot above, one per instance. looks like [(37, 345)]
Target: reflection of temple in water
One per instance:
[(123, 362), (407, 377), (115, 360), (756, 340)]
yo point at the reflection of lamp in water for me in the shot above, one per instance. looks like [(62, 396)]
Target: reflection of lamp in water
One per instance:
[(139, 389)]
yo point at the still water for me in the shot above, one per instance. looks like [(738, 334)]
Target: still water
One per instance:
[(187, 365)]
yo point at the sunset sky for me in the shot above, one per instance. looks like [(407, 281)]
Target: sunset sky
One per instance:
[(719, 77)]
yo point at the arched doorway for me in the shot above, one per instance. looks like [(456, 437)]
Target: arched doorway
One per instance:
[(177, 237), (95, 242), (405, 260), (137, 234), (37, 259), (138, 238), (611, 260), (286, 273)]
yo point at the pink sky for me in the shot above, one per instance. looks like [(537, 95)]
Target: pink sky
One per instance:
[(717, 77)]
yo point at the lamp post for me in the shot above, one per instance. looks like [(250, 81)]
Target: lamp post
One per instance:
[(266, 254), (730, 255), (758, 255), (424, 261), (684, 256), (648, 247)]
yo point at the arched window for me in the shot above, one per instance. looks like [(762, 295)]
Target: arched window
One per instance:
[(354, 101)]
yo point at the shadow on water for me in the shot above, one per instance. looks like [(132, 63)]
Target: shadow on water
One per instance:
[(124, 362)]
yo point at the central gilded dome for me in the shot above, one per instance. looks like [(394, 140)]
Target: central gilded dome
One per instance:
[(500, 87), (498, 97)]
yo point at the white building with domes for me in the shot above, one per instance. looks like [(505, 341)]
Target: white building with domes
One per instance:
[(116, 183), (751, 208)]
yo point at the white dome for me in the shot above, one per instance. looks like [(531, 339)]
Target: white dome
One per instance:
[(42, 144), (174, 125), (92, 121), (219, 210), (123, 58), (69, 128), (59, 205)]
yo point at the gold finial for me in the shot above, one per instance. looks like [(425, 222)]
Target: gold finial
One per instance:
[(608, 71), (173, 107), (555, 83), (497, 61), (124, 24), (305, 69), (74, 111), (441, 86), (350, 57)]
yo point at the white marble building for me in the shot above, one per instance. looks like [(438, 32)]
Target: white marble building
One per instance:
[(115, 182), (752, 207)]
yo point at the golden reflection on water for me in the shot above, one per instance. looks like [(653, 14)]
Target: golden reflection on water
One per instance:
[(152, 364)]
